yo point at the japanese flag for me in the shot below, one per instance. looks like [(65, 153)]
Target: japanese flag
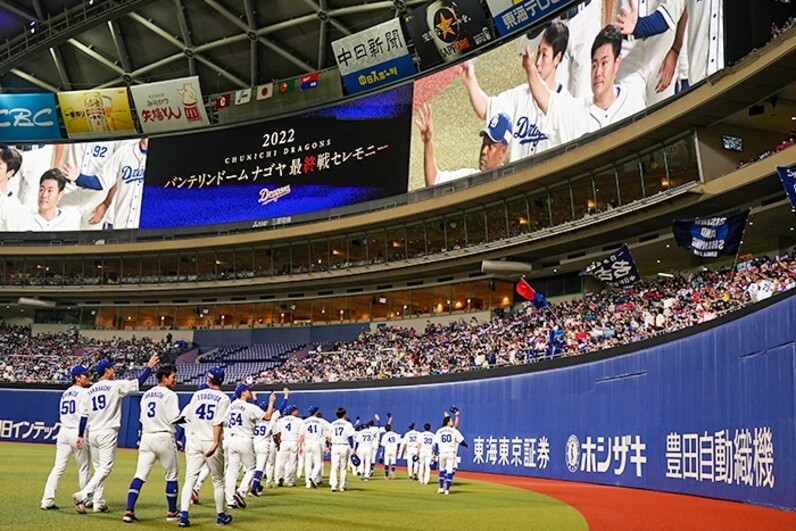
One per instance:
[(223, 100), (265, 91)]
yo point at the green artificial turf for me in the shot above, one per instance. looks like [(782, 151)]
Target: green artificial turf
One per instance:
[(377, 504)]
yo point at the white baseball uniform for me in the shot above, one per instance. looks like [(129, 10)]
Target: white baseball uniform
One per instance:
[(70, 405), (519, 105), (341, 431), (126, 168), (375, 442), (239, 444), (447, 440), (36, 159), (160, 409), (426, 453), (264, 451), (364, 439), (574, 71), (208, 408), (314, 431), (705, 30), (570, 118), (89, 157), (642, 59), (289, 429), (390, 442), (410, 447), (16, 217), (103, 407)]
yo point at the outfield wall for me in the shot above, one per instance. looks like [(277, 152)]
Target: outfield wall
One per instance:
[(710, 414)]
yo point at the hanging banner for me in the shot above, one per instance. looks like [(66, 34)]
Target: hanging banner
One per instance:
[(619, 269), (28, 117), (711, 237), (373, 57), (442, 31), (788, 178), (170, 105), (513, 15), (96, 113)]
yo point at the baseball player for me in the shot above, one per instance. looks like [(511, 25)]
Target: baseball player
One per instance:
[(495, 139), (126, 170), (704, 29), (205, 416), (314, 432), (204, 473), (65, 445), (83, 169), (10, 163), (49, 216), (102, 411), (264, 449), (239, 441), (518, 103), (446, 442), (426, 454), (342, 440), (38, 159), (160, 410), (364, 447), (564, 118), (287, 431), (410, 448), (390, 441)]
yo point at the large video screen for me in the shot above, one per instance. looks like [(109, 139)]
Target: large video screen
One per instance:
[(558, 82), (71, 187), (332, 157)]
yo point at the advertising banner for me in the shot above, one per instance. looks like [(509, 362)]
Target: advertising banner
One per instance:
[(513, 15), (322, 159), (443, 30), (28, 117), (373, 57), (170, 105), (96, 113)]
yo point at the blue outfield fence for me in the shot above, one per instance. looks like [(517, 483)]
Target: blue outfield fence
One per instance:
[(710, 414)]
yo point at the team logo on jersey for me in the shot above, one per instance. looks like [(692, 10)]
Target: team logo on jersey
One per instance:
[(573, 453), (131, 175), (528, 133)]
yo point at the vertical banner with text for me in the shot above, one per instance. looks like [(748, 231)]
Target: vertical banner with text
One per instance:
[(170, 105)]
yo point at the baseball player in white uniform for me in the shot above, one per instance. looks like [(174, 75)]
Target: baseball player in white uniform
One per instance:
[(239, 442), (390, 441), (288, 431), (126, 170), (49, 216), (10, 163), (265, 449), (314, 432), (705, 31), (70, 405), (83, 169), (204, 473), (102, 411), (38, 159), (583, 21), (205, 416), (446, 443), (342, 441), (410, 449), (518, 103), (160, 410), (426, 454), (364, 447), (566, 119)]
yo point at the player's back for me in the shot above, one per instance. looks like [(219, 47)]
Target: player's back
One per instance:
[(341, 430), (313, 429), (390, 441), (243, 416), (104, 400), (447, 439), (426, 442), (289, 428), (159, 410), (208, 408), (70, 406)]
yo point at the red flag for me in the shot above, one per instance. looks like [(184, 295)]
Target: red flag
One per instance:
[(309, 81), (223, 100), (525, 290)]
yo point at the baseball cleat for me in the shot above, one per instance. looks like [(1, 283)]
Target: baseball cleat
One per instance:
[(52, 507), (224, 519), (440, 490), (172, 516), (129, 517), (101, 509), (334, 489), (184, 521), (80, 503), (195, 497), (447, 492), (239, 499)]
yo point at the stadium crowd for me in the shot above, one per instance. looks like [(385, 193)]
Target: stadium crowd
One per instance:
[(47, 358), (525, 334)]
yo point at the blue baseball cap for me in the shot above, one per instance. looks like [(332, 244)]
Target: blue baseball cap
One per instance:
[(103, 365), (411, 426), (312, 410), (202, 386), (290, 409), (240, 388), (217, 375), (77, 370), (499, 128)]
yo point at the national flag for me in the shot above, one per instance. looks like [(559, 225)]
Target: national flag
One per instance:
[(288, 85), (265, 91), (525, 291), (309, 81), (788, 177), (223, 100), (243, 96)]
